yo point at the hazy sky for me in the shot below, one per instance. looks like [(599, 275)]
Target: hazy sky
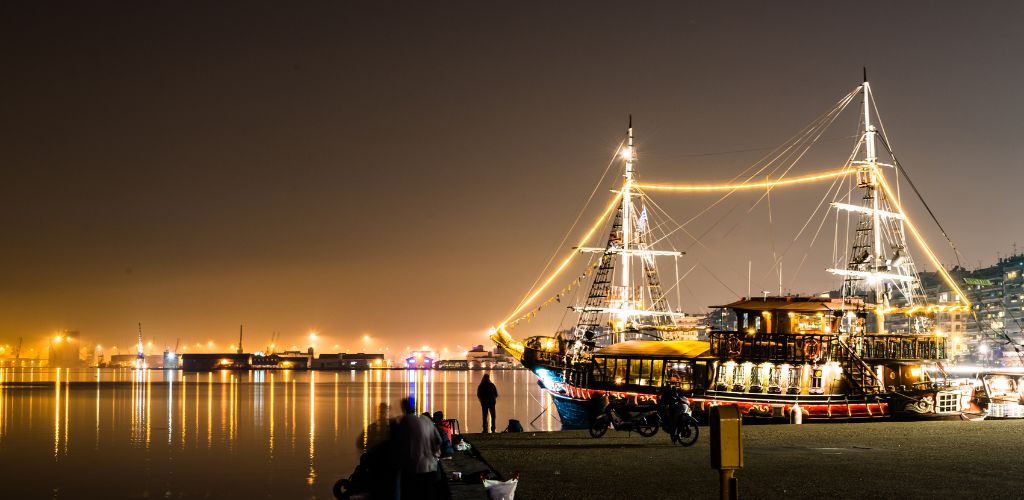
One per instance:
[(404, 170)]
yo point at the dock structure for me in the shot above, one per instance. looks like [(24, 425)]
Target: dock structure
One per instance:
[(829, 460)]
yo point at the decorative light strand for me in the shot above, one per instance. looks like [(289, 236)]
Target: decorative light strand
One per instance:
[(747, 185), (917, 236), (565, 262)]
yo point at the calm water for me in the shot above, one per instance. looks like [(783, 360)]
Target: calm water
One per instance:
[(155, 434)]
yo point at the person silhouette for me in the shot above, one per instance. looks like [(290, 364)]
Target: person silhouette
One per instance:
[(487, 393)]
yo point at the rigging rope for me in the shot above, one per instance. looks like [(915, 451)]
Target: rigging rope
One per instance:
[(577, 220)]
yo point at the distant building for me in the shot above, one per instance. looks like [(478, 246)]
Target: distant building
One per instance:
[(451, 364), (996, 294), (222, 361), (295, 360), (122, 360), (66, 351), (421, 360), (478, 357), (342, 361)]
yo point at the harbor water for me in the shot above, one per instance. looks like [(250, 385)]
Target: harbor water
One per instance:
[(245, 434)]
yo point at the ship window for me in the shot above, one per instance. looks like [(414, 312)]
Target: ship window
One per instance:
[(809, 323), (634, 371), (600, 370), (620, 370), (657, 367), (680, 373), (794, 383), (739, 378), (645, 372), (817, 381), (724, 377)]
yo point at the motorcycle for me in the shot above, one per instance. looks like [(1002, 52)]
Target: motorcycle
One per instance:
[(623, 416), (677, 418)]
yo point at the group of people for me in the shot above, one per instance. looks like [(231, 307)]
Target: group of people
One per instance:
[(402, 458)]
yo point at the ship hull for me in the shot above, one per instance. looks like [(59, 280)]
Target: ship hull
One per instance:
[(575, 406)]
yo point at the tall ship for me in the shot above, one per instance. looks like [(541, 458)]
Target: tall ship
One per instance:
[(867, 350)]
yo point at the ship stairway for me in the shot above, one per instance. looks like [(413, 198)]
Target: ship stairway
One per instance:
[(861, 377)]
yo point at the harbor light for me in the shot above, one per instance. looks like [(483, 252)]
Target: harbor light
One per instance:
[(58, 339)]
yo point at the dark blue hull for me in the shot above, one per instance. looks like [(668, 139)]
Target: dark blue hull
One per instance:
[(574, 413)]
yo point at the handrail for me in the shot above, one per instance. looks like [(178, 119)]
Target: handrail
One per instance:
[(852, 357)]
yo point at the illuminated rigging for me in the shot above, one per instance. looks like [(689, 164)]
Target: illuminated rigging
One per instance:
[(880, 268)]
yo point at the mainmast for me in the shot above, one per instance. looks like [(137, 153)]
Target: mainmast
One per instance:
[(880, 229), (868, 171), (627, 204)]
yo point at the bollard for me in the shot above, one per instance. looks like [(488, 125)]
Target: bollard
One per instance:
[(727, 447), (796, 415)]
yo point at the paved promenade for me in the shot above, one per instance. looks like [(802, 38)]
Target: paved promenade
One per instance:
[(956, 459)]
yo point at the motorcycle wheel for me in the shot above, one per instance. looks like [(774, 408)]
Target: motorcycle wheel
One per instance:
[(599, 427), (648, 428), (686, 432)]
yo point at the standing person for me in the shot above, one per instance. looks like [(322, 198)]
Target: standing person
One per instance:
[(418, 448), (487, 393)]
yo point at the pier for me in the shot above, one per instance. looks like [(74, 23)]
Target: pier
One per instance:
[(868, 460)]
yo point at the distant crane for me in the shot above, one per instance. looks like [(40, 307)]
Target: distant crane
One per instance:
[(273, 342), (240, 339), (17, 350), (177, 342), (140, 360)]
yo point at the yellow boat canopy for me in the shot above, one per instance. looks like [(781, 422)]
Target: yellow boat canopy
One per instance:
[(688, 349)]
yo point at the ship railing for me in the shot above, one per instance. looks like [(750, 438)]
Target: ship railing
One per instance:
[(900, 347), (774, 347), (814, 347)]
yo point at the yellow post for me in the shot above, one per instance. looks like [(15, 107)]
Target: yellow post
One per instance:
[(727, 447)]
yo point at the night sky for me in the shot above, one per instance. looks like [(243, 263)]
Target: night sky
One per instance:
[(404, 171)]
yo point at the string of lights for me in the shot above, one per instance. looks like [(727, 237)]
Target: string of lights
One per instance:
[(747, 185)]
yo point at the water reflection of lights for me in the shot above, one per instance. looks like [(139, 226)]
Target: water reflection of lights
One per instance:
[(209, 409), (366, 409), (311, 477), (56, 416), (170, 408), (273, 416), (126, 402)]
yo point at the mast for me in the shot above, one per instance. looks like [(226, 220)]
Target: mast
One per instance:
[(869, 169), (627, 239), (880, 263), (239, 339), (627, 205)]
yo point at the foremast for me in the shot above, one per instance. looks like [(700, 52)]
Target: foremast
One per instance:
[(635, 303)]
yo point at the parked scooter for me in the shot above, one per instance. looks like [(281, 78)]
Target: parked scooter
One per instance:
[(677, 417), (623, 415)]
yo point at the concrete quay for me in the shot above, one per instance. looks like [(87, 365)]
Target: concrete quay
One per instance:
[(965, 459)]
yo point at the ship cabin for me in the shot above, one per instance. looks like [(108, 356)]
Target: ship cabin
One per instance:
[(816, 345), (643, 366)]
